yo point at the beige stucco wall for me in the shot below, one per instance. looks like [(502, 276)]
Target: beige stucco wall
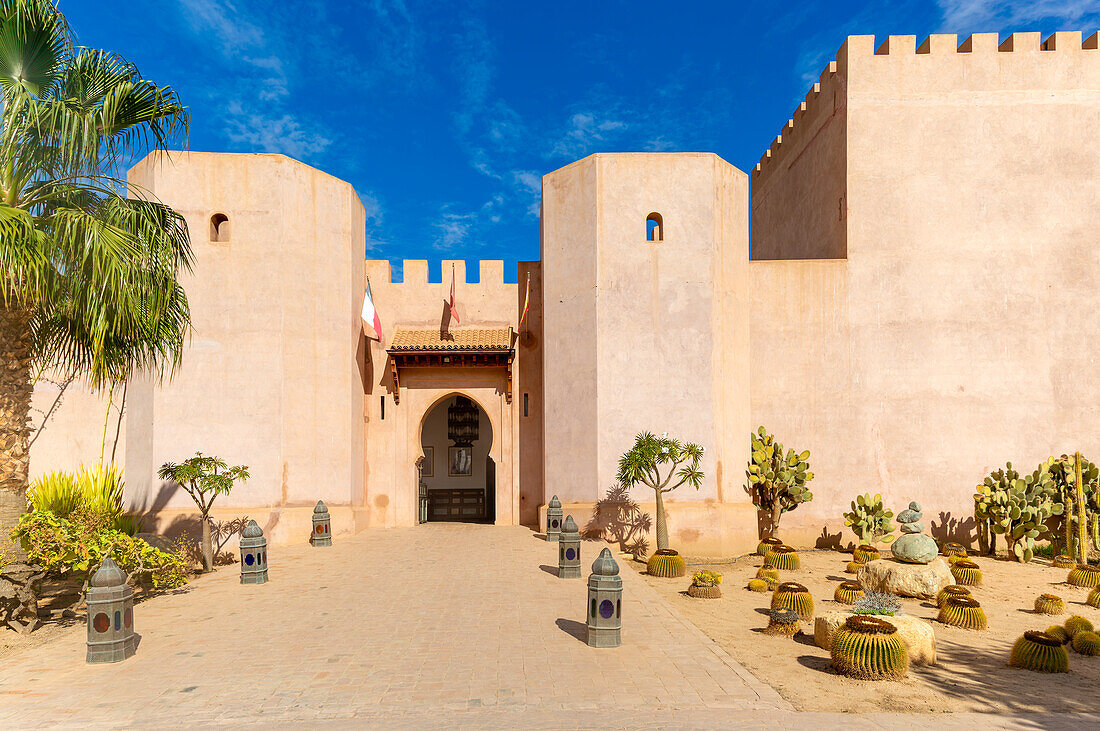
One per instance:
[(644, 336), (394, 431), (951, 339), (73, 435), (269, 377)]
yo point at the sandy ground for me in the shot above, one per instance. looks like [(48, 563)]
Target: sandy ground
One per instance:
[(971, 674)]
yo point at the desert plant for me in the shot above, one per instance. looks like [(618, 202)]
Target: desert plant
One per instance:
[(1086, 643), (791, 595), (1039, 652), (757, 585), (866, 554), (766, 545), (954, 549), (55, 492), (1017, 507), (1077, 483), (853, 567), (964, 612), (869, 648), (966, 573), (666, 563), (777, 481), (1062, 561), (1084, 575), (767, 572), (952, 560), (97, 490), (643, 465), (1058, 632), (1049, 604), (782, 621), (948, 592), (704, 592), (876, 603), (1076, 624), (848, 592), (204, 479), (870, 520), (783, 558), (706, 578), (1093, 599)]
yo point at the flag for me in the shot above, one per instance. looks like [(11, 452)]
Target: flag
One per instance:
[(454, 312), (371, 322), (526, 302)]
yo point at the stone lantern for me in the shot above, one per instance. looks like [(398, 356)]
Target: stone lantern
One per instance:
[(253, 554), (110, 615), (605, 602), (322, 527), (569, 551), (553, 519)]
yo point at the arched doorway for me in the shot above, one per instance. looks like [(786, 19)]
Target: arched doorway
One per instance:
[(455, 467)]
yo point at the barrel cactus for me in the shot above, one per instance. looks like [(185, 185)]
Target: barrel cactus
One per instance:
[(757, 585), (1093, 599), (866, 554), (1058, 632), (767, 572), (869, 648), (1039, 652), (1084, 575), (1017, 507), (782, 622), (1086, 643), (963, 611), (853, 567), (1049, 604), (966, 573), (783, 558), (766, 545), (954, 549), (777, 482), (954, 559), (1076, 624), (791, 595), (1062, 561), (667, 564), (947, 592), (848, 592), (704, 585)]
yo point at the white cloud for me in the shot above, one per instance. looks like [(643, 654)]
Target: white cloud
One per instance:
[(453, 228), (976, 16), (583, 134), (273, 134)]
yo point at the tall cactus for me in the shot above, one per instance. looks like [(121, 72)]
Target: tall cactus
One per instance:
[(1081, 498), (1018, 507), (777, 481)]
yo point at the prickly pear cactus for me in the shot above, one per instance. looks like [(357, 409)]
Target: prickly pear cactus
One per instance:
[(777, 480), (870, 519), (1018, 507)]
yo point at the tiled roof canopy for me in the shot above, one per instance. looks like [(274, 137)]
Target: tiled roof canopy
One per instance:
[(460, 340)]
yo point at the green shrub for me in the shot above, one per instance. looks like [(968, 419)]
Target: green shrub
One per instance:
[(96, 490), (75, 546), (56, 492)]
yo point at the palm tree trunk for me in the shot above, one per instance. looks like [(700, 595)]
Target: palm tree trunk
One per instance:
[(662, 526), (16, 390)]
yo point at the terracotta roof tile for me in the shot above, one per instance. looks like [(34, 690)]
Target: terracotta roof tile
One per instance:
[(430, 340)]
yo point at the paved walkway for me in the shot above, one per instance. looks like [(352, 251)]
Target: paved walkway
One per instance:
[(416, 622), (438, 626)]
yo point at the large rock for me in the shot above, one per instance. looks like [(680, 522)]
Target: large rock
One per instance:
[(922, 581), (918, 635)]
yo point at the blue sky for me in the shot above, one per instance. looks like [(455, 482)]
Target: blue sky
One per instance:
[(445, 115)]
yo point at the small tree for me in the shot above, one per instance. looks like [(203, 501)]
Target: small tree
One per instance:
[(204, 478), (643, 463), (777, 482)]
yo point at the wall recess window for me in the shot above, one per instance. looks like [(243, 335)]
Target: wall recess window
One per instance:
[(382, 406), (525, 404), (219, 228), (654, 227)]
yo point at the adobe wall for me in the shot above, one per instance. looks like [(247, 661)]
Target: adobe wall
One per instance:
[(644, 336), (269, 377), (393, 428), (969, 286), (73, 435)]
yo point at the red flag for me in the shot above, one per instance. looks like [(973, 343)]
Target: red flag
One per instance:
[(454, 312)]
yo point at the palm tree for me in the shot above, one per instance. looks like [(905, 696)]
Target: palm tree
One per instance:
[(88, 276), (643, 464)]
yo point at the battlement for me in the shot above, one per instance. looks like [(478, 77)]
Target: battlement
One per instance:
[(491, 272), (828, 95)]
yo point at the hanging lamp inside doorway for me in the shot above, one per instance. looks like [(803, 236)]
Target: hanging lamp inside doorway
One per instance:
[(462, 422)]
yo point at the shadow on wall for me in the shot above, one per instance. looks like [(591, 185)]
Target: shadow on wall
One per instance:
[(830, 540), (953, 529), (186, 529), (617, 518)]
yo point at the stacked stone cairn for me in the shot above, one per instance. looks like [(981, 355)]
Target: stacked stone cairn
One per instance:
[(914, 546)]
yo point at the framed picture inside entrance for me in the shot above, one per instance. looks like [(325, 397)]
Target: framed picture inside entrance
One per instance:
[(460, 461), (427, 467)]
